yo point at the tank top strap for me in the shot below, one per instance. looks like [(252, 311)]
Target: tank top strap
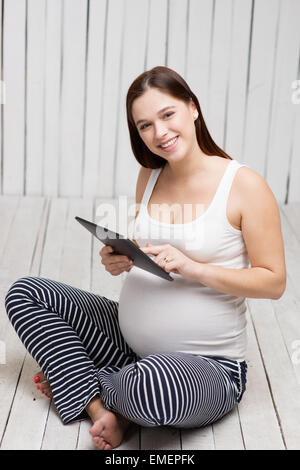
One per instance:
[(224, 189), (150, 185)]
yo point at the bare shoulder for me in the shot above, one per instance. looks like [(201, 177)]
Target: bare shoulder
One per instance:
[(246, 175), (256, 200), (252, 184)]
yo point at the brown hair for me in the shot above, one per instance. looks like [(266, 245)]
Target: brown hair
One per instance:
[(170, 82)]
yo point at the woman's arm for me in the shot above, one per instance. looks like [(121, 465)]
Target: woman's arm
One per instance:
[(261, 229), (257, 282)]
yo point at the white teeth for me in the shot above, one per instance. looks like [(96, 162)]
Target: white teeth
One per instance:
[(169, 143)]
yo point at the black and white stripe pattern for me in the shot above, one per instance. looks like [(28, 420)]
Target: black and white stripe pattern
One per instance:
[(75, 338)]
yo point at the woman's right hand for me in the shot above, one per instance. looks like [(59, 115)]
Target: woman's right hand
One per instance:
[(114, 264)]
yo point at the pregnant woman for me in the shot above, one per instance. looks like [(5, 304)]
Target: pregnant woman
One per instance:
[(168, 353)]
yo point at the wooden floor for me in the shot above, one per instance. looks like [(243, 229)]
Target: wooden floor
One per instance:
[(40, 237)]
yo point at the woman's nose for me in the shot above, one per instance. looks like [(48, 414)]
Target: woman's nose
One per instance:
[(160, 132)]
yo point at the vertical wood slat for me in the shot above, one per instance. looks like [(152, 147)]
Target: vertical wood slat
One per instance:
[(35, 97), (14, 69), (237, 83), (52, 97), (110, 107), (198, 51), (73, 97), (177, 37), (219, 76), (262, 57), (135, 29), (94, 84), (155, 51), (1, 105)]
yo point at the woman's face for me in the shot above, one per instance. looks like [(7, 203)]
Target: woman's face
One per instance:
[(160, 125)]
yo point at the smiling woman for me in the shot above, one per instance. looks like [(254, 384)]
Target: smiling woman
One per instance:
[(168, 87), (168, 353)]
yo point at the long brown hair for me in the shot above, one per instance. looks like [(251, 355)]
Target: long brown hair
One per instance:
[(168, 81)]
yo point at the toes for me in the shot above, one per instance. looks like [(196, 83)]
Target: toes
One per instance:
[(48, 393), (45, 389), (42, 384), (96, 429), (39, 377), (96, 441), (99, 442)]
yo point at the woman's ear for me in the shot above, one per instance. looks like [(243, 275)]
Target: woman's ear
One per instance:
[(194, 108)]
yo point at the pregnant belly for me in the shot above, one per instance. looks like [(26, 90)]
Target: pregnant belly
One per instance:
[(156, 315)]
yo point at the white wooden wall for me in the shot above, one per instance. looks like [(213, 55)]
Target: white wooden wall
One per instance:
[(67, 66)]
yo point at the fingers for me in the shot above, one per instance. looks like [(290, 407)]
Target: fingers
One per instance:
[(107, 253), (114, 264), (117, 269)]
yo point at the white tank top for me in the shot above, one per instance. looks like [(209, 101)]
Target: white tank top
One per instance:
[(183, 315)]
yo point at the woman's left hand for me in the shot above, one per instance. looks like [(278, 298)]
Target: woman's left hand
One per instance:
[(177, 261)]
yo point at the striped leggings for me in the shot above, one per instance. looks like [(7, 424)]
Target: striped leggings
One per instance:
[(75, 338)]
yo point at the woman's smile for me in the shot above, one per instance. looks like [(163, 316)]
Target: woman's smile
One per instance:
[(170, 145)]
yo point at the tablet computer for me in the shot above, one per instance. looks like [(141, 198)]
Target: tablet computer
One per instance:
[(124, 246)]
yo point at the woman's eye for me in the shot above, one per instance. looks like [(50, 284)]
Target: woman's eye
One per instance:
[(143, 127)]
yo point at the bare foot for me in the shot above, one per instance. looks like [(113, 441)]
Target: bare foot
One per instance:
[(109, 428), (42, 384)]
